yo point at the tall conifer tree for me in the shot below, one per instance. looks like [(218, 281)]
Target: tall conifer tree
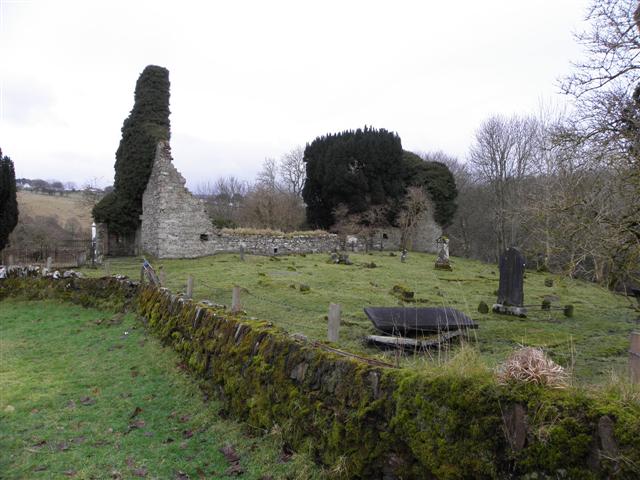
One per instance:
[(146, 125), (8, 200)]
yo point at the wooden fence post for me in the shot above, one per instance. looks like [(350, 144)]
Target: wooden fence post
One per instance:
[(634, 357), (163, 278), (334, 322), (236, 306), (142, 275), (189, 292)]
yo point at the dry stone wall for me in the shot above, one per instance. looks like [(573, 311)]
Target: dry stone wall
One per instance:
[(365, 419)]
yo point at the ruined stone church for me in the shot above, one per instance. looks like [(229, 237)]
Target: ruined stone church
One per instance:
[(175, 224)]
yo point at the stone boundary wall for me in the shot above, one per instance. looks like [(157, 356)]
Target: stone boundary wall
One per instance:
[(370, 420), (273, 244)]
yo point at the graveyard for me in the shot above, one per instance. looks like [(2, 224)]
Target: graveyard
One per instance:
[(310, 323), (294, 292)]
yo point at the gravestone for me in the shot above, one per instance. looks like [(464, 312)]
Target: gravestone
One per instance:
[(442, 262), (403, 257), (511, 287)]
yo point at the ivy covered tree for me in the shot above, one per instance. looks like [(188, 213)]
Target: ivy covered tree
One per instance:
[(146, 125), (8, 200), (438, 181), (358, 169)]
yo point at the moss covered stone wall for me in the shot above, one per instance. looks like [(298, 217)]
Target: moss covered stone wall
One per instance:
[(368, 421)]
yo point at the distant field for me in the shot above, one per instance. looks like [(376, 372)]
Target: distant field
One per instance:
[(63, 208), (593, 343)]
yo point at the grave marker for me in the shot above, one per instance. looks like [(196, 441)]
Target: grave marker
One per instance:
[(442, 262), (235, 300), (511, 287), (189, 292), (334, 322)]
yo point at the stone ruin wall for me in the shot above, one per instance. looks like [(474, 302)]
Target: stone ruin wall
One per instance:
[(174, 222), (175, 225)]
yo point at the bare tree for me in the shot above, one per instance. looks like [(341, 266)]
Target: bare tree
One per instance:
[(612, 48), (268, 176), (606, 87), (292, 171), (269, 204), (91, 192), (224, 199), (501, 156)]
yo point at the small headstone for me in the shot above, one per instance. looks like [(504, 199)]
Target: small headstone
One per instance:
[(242, 252), (442, 262), (483, 308), (352, 242), (403, 257)]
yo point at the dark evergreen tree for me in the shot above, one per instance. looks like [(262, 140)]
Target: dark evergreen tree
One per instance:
[(8, 200), (439, 183), (146, 125), (359, 169)]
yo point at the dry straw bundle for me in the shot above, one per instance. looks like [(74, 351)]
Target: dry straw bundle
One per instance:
[(531, 365)]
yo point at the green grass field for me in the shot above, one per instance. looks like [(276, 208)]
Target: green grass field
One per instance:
[(593, 343), (86, 394)]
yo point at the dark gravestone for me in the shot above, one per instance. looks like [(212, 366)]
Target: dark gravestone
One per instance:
[(510, 291)]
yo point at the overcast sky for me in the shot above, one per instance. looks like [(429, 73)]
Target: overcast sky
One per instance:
[(253, 79)]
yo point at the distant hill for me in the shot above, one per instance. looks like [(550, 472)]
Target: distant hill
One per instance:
[(46, 219), (64, 208)]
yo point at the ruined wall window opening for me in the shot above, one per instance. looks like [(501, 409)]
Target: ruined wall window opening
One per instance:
[(204, 237)]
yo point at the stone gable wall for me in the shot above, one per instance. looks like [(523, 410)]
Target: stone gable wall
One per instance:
[(174, 222)]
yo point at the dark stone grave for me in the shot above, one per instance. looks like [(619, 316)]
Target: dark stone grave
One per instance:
[(511, 287), (411, 321)]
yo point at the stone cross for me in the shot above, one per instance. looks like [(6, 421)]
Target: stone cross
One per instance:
[(442, 262), (511, 289)]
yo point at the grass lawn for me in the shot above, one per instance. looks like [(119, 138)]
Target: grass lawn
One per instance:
[(593, 343), (86, 394)]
